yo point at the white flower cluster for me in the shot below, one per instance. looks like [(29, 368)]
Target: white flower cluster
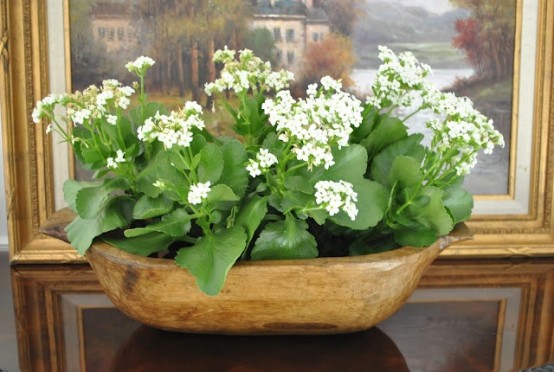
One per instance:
[(198, 192), (249, 72), (173, 129), (324, 119), (460, 127), (140, 65), (90, 104), (264, 160), (114, 162), (399, 80), (334, 196), (45, 107)]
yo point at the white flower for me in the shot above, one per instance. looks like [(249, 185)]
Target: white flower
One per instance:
[(399, 81), (264, 160), (248, 72), (113, 163), (317, 123), (173, 129), (111, 119), (79, 117), (198, 192), (120, 156), (123, 102), (140, 65), (334, 196)]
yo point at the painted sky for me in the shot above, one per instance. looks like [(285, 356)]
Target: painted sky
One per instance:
[(436, 6)]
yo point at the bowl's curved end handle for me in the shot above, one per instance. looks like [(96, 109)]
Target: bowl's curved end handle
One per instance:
[(460, 233), (56, 223)]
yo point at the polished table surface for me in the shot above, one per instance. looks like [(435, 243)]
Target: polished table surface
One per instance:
[(465, 316)]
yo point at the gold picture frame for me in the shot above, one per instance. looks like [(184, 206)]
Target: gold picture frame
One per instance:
[(28, 152)]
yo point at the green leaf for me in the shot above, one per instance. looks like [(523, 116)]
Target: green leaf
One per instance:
[(459, 202), (253, 121), (387, 131), (350, 166), (149, 110), (369, 116), (142, 245), (299, 183), (175, 224), (287, 239), (366, 246), (433, 215), (211, 258), (160, 169), (90, 201), (405, 170), (147, 207), (293, 200), (117, 214), (382, 163), (72, 187), (211, 164), (371, 204), (415, 237), (220, 194), (234, 172), (251, 215)]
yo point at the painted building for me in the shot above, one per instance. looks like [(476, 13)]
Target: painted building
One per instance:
[(112, 25), (294, 24)]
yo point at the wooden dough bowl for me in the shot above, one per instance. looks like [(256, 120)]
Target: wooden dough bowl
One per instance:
[(311, 296)]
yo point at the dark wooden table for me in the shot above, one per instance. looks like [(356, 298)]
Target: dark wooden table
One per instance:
[(495, 315)]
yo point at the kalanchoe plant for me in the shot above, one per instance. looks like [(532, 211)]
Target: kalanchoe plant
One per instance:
[(325, 175)]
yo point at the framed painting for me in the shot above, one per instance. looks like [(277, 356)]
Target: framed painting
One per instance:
[(498, 53)]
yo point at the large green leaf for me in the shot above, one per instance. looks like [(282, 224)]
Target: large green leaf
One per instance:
[(211, 164), (350, 166), (459, 202), (72, 187), (90, 201), (432, 215), (161, 169), (369, 116), (175, 224), (211, 258), (387, 131), (147, 207), (405, 170), (251, 215), (234, 172), (143, 245), (417, 236), (252, 122), (371, 204), (117, 214), (382, 163), (288, 239)]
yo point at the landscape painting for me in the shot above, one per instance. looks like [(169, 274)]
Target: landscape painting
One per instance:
[(469, 44)]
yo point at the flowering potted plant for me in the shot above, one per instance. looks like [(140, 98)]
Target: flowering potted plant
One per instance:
[(323, 175)]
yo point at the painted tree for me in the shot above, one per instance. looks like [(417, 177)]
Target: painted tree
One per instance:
[(89, 59), (342, 14), (333, 56), (487, 36)]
